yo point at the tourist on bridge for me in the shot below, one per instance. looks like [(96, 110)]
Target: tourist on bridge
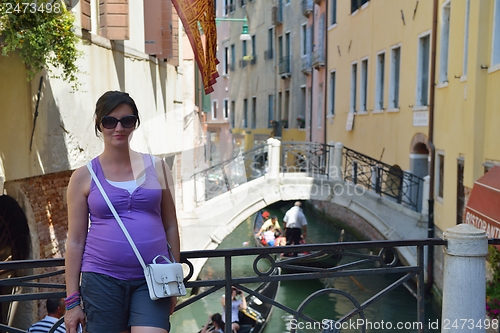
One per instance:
[(113, 287), (295, 223)]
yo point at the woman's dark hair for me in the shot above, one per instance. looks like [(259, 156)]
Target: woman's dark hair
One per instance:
[(109, 101), (217, 319)]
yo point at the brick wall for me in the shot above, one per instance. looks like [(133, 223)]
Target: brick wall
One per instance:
[(47, 197)]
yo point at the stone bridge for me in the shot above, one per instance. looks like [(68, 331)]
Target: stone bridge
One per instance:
[(388, 200)]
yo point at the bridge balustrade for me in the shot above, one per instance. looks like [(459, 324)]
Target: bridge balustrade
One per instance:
[(316, 160), (354, 259)]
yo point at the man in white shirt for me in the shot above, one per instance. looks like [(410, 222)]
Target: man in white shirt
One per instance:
[(295, 225)]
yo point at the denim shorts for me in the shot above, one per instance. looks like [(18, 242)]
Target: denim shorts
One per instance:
[(112, 305)]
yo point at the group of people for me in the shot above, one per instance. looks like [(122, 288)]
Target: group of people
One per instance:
[(295, 224)]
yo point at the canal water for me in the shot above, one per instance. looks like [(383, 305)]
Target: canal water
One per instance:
[(398, 308)]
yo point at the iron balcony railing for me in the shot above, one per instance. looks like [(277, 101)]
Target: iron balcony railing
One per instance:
[(277, 13), (356, 259), (390, 181), (318, 56), (306, 64), (284, 66), (307, 7)]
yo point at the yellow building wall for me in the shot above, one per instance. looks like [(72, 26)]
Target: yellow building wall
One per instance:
[(15, 126), (466, 108), (377, 26)]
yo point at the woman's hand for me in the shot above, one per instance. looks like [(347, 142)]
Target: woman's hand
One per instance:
[(72, 318)]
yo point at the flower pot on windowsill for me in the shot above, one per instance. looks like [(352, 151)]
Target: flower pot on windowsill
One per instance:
[(284, 123), (301, 123)]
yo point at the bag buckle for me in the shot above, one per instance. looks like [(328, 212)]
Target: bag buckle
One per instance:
[(179, 283)]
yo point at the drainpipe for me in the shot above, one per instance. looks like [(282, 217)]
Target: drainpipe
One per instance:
[(432, 152), (312, 75), (325, 85)]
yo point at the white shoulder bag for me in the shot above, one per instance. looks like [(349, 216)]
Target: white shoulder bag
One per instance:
[(163, 280)]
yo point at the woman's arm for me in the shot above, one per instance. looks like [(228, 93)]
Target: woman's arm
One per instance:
[(77, 194), (169, 215), (243, 304)]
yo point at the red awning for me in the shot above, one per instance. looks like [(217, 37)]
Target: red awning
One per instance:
[(483, 208)]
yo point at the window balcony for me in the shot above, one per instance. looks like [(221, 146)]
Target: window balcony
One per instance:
[(318, 57), (307, 7), (306, 64), (277, 13), (285, 70), (268, 54)]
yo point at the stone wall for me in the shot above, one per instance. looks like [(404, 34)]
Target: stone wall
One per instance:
[(348, 220)]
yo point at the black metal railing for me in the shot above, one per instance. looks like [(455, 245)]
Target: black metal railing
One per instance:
[(403, 187), (353, 259), (312, 158), (229, 174)]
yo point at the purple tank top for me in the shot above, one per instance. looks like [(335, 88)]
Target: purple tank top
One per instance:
[(107, 250)]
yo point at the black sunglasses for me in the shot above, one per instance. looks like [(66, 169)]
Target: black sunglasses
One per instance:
[(111, 122)]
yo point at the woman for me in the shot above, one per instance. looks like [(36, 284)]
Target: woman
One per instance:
[(237, 304), (217, 324), (113, 288)]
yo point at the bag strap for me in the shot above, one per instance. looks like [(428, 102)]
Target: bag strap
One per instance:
[(115, 214)]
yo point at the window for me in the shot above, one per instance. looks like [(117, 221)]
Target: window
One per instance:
[(394, 78), (278, 114), (254, 46), (364, 86), (495, 57), (233, 57), (423, 71), (254, 112), (440, 175), (225, 10), (226, 60), (332, 93), (303, 100), (214, 109), (287, 105), (466, 39), (244, 48), (379, 83), (280, 47), (445, 41), (270, 110), (245, 113), (354, 74), (226, 108), (333, 12), (233, 117), (270, 44), (288, 49), (303, 38), (355, 4)]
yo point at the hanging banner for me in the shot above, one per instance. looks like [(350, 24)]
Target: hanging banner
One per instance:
[(199, 16)]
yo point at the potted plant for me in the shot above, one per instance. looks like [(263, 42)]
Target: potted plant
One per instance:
[(284, 122), (273, 123), (493, 286), (301, 122)]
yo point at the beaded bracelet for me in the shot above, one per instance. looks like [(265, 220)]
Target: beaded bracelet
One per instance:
[(72, 300)]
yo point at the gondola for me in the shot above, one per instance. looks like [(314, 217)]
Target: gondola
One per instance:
[(303, 260), (254, 318)]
